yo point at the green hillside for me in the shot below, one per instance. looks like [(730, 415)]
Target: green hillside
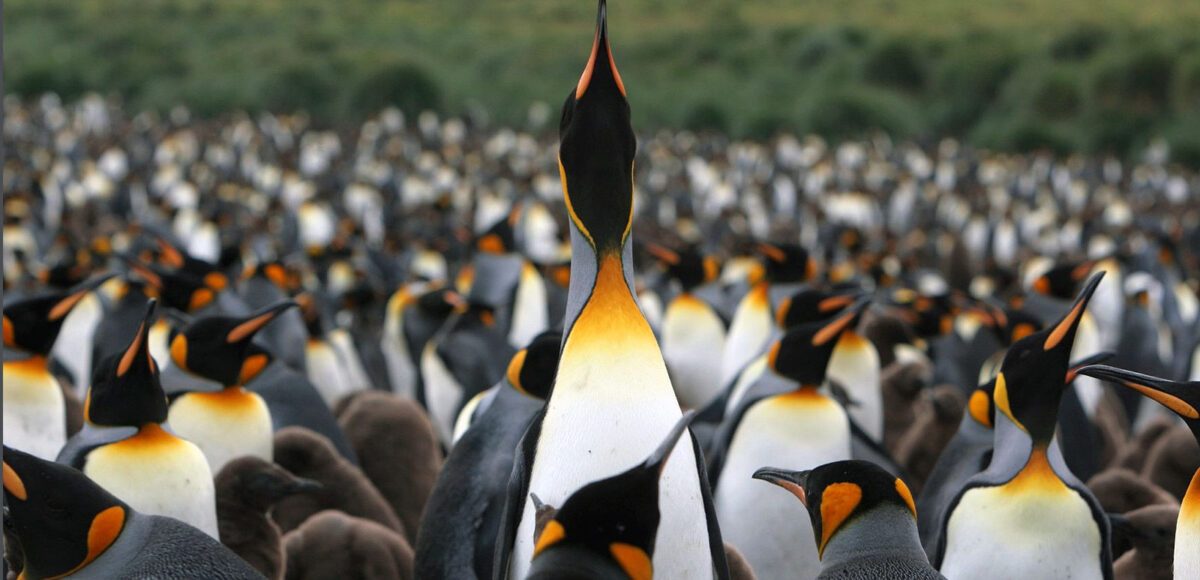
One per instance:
[(1069, 74)]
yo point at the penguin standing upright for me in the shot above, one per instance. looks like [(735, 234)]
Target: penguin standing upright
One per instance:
[(1184, 400), (212, 408), (784, 416), (266, 284), (125, 448), (34, 409), (66, 525), (608, 528), (692, 329), (863, 520), (612, 398), (1027, 515)]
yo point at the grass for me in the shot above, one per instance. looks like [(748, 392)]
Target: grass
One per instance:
[(1000, 72)]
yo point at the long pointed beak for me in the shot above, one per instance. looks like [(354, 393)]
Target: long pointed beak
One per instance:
[(65, 305), (792, 481), (1066, 326), (1181, 398), (601, 58), (1087, 361), (138, 351), (658, 459), (844, 321), (255, 322)]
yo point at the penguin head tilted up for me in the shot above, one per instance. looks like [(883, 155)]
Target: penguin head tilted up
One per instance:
[(125, 390), (31, 325), (61, 521), (607, 528), (689, 266), (1061, 280), (811, 305), (531, 371), (981, 405), (220, 348), (803, 354), (180, 290), (863, 519)]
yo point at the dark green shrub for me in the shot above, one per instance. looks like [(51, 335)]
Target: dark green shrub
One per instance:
[(1137, 80), (895, 64), (856, 111), (404, 85), (707, 116), (1079, 43)]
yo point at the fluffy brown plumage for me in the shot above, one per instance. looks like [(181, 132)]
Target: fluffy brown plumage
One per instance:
[(901, 384), (332, 544), (344, 487), (247, 488), (739, 568), (1173, 461), (1151, 530), (1134, 452), (396, 449), (1120, 490), (937, 420)]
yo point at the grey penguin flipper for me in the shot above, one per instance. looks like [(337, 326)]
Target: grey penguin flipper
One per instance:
[(518, 489), (716, 545), (74, 453)]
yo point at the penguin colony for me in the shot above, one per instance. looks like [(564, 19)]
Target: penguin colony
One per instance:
[(258, 349)]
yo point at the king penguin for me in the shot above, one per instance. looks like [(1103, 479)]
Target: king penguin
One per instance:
[(612, 397), (125, 448), (34, 408), (863, 518), (783, 415), (1027, 515), (211, 407), (1184, 400), (66, 525), (462, 517), (608, 528)]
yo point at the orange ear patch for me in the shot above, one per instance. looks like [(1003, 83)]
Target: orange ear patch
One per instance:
[(514, 370), (1000, 396), (838, 501), (179, 350), (552, 534), (13, 483), (106, 526), (633, 560), (491, 244), (979, 407), (906, 495), (200, 298), (10, 338), (253, 365), (1022, 330), (781, 313)]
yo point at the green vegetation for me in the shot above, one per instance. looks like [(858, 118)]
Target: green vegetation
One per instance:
[(1077, 75)]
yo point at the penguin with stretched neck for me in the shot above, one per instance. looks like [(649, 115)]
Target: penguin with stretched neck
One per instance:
[(612, 398), (1184, 400), (1027, 515)]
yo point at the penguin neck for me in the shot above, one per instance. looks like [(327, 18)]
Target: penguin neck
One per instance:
[(886, 531), (1189, 510), (1029, 465)]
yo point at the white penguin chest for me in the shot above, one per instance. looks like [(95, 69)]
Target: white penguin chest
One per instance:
[(745, 380), (224, 425), (402, 373), (324, 370), (157, 473), (74, 343), (790, 431), (1187, 533), (692, 335), (855, 366), (443, 393), (529, 315), (749, 331), (34, 413), (1032, 528)]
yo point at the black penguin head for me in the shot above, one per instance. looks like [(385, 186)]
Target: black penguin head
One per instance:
[(787, 262), (219, 348), (33, 324), (1032, 377), (690, 267), (1015, 324), (597, 147), (811, 305), (61, 520), (616, 517), (500, 238), (982, 408), (532, 370), (1182, 398), (259, 484), (440, 302), (1062, 280), (125, 387), (180, 290), (836, 493), (803, 353), (928, 316)]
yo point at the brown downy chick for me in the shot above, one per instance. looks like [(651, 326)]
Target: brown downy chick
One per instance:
[(247, 488), (937, 420), (1151, 531), (1173, 461), (332, 544), (1120, 490), (902, 384)]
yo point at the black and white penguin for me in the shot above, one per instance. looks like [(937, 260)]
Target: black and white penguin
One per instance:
[(34, 408), (125, 447), (864, 521), (414, 314), (265, 284), (463, 515), (1184, 400), (783, 415), (66, 525), (612, 398), (1027, 514), (608, 528), (211, 361)]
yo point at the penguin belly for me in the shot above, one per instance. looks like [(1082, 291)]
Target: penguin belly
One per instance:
[(225, 425), (745, 380), (159, 340), (350, 362), (763, 523), (692, 335), (1187, 533), (443, 393), (34, 412), (748, 333), (855, 366), (530, 316), (157, 473), (324, 370), (402, 372), (1032, 527), (73, 347)]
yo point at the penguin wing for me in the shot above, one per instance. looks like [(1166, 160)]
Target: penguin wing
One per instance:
[(75, 452), (716, 545), (725, 432), (518, 489)]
